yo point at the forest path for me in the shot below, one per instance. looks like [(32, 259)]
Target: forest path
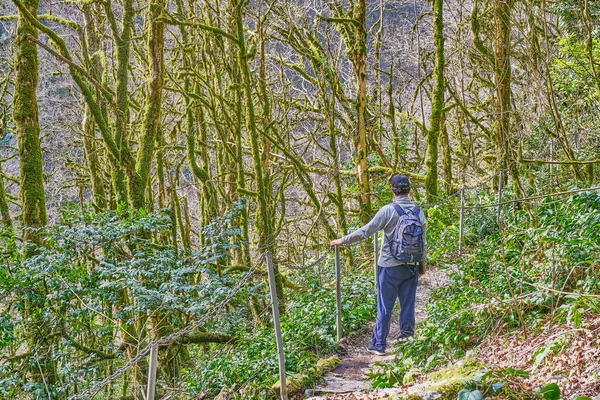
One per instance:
[(347, 380)]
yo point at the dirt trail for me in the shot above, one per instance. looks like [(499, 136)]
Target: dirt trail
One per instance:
[(349, 375)]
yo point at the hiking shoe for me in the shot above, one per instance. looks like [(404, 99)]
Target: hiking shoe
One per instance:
[(371, 349)]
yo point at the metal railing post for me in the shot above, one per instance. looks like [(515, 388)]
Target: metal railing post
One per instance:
[(500, 185), (461, 222), (375, 255), (338, 295), (277, 326), (151, 389)]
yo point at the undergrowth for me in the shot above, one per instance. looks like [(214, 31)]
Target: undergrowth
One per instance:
[(248, 368)]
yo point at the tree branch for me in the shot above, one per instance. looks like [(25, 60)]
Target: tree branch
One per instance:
[(339, 20)]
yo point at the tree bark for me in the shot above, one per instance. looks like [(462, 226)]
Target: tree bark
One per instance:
[(122, 41), (152, 110), (33, 199), (91, 157), (359, 62), (446, 157), (87, 123), (240, 174), (437, 104), (503, 77), (4, 211), (263, 220), (27, 127)]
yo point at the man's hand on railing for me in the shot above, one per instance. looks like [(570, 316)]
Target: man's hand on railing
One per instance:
[(336, 242)]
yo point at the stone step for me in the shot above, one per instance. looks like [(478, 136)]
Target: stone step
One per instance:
[(334, 384)]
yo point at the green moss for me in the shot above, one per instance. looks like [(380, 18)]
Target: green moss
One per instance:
[(325, 365), (404, 396), (449, 381), (450, 392), (152, 110), (437, 106), (470, 374), (297, 382), (25, 114), (460, 371)]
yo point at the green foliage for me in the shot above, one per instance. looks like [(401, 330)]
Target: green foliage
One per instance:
[(442, 234), (576, 86), (105, 274), (385, 375), (572, 73), (100, 276), (550, 392), (466, 394), (547, 350), (480, 224)]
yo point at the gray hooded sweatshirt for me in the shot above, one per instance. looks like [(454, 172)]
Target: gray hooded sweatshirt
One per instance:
[(385, 220)]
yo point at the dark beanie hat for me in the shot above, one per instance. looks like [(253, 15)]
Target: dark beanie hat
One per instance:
[(400, 182)]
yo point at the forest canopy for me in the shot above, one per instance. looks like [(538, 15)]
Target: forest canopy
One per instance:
[(151, 152)]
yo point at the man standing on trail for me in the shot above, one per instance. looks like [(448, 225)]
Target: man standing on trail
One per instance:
[(400, 261)]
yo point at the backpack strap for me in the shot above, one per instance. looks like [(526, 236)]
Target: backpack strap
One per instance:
[(415, 210), (398, 209)]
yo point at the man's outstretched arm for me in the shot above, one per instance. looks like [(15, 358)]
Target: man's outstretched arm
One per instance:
[(377, 223)]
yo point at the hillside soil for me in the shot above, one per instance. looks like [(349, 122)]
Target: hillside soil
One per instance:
[(561, 354)]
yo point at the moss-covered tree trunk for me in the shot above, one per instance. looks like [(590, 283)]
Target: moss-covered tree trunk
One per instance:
[(503, 78), (503, 74), (337, 198), (122, 161), (446, 157), (437, 104), (358, 56), (194, 120), (33, 199), (243, 257), (265, 119), (90, 148), (27, 127), (391, 114), (152, 109), (352, 25), (81, 80), (240, 173), (91, 157), (264, 224)]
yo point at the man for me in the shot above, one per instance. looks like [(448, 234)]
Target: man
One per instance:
[(395, 278)]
